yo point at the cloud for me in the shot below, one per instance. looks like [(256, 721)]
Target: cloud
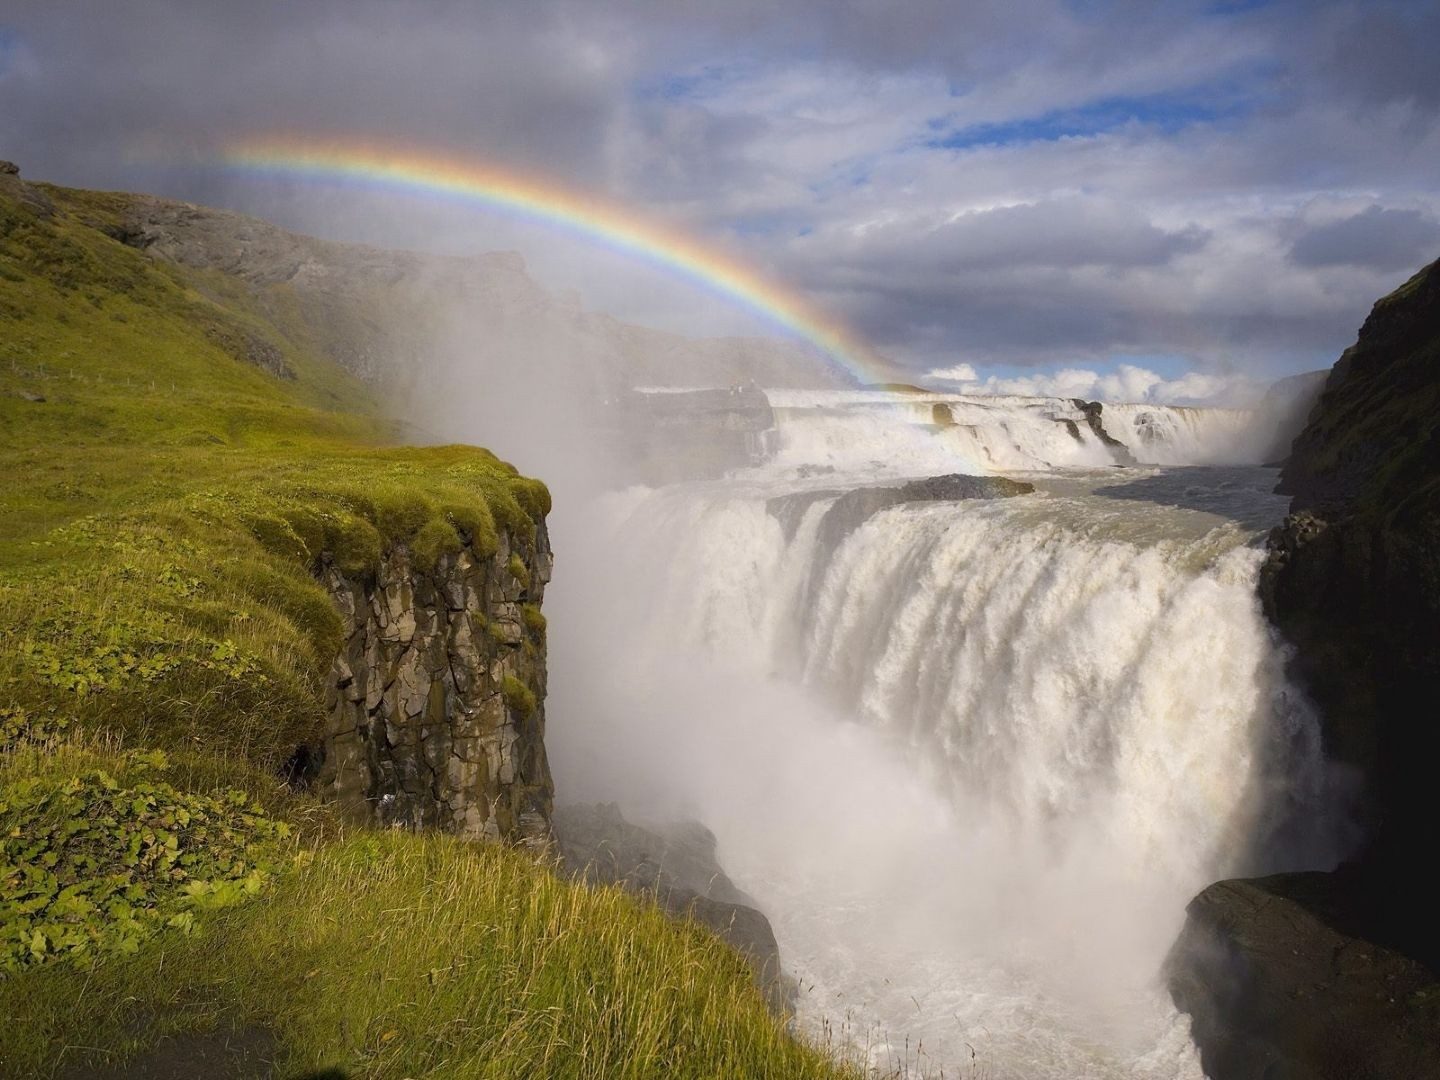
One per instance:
[(1031, 183), (1376, 237), (959, 373)]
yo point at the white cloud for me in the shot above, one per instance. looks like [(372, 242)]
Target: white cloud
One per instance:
[(1127, 383), (960, 373)]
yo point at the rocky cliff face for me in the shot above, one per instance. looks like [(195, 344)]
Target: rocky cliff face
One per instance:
[(437, 715), (676, 866), (688, 434), (1353, 579), (385, 314), (1268, 969)]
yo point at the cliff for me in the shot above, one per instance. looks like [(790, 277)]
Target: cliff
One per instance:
[(1353, 580), (437, 698), (1333, 975)]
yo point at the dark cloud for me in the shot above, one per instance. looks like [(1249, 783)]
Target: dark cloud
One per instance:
[(1384, 53), (1377, 238), (1231, 184)]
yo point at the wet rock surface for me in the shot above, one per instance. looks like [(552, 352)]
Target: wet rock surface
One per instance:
[(1280, 987), (1093, 411), (676, 865)]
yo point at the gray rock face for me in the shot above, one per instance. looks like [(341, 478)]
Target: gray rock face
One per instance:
[(690, 434), (28, 196), (677, 867), (1093, 411), (436, 708), (1279, 988)]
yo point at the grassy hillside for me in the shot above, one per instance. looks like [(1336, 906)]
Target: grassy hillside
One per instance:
[(177, 455)]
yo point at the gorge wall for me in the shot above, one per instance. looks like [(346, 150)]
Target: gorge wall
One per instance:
[(1321, 975), (437, 701)]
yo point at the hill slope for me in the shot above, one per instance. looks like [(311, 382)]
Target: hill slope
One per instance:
[(182, 457)]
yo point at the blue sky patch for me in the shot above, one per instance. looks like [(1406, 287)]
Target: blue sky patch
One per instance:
[(1167, 114)]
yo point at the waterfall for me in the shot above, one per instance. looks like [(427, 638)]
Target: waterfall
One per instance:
[(973, 758), (905, 433)]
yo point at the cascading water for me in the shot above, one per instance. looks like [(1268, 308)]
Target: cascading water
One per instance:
[(888, 433), (972, 758)]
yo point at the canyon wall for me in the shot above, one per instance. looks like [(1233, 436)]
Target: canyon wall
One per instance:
[(1330, 975)]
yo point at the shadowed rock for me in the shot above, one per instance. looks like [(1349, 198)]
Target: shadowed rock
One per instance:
[(1279, 987), (1319, 976), (676, 865)]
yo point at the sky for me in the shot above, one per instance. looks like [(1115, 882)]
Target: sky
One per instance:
[(1176, 200)]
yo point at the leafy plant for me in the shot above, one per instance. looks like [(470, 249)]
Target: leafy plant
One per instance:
[(90, 865)]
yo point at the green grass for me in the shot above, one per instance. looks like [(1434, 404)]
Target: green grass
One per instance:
[(391, 955), (164, 644)]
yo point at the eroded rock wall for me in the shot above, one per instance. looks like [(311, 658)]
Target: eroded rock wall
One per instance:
[(1333, 976), (437, 702)]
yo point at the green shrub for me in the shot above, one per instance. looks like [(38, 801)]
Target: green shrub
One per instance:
[(519, 571), (519, 698), (434, 541), (87, 864)]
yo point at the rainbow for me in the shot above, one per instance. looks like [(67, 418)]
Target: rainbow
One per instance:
[(388, 168)]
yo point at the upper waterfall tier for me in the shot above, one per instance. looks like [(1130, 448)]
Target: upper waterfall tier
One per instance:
[(916, 433), (666, 435)]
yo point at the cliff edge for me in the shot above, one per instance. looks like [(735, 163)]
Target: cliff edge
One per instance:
[(1330, 975)]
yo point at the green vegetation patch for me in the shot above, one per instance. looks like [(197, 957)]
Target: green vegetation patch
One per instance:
[(88, 863), (519, 698), (398, 955), (181, 460)]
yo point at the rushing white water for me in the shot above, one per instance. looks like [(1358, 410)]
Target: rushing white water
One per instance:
[(973, 758), (884, 433)]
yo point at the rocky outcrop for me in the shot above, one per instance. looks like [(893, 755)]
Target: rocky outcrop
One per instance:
[(1279, 985), (677, 867), (1352, 579), (690, 434), (12, 187), (1092, 411), (437, 703)]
